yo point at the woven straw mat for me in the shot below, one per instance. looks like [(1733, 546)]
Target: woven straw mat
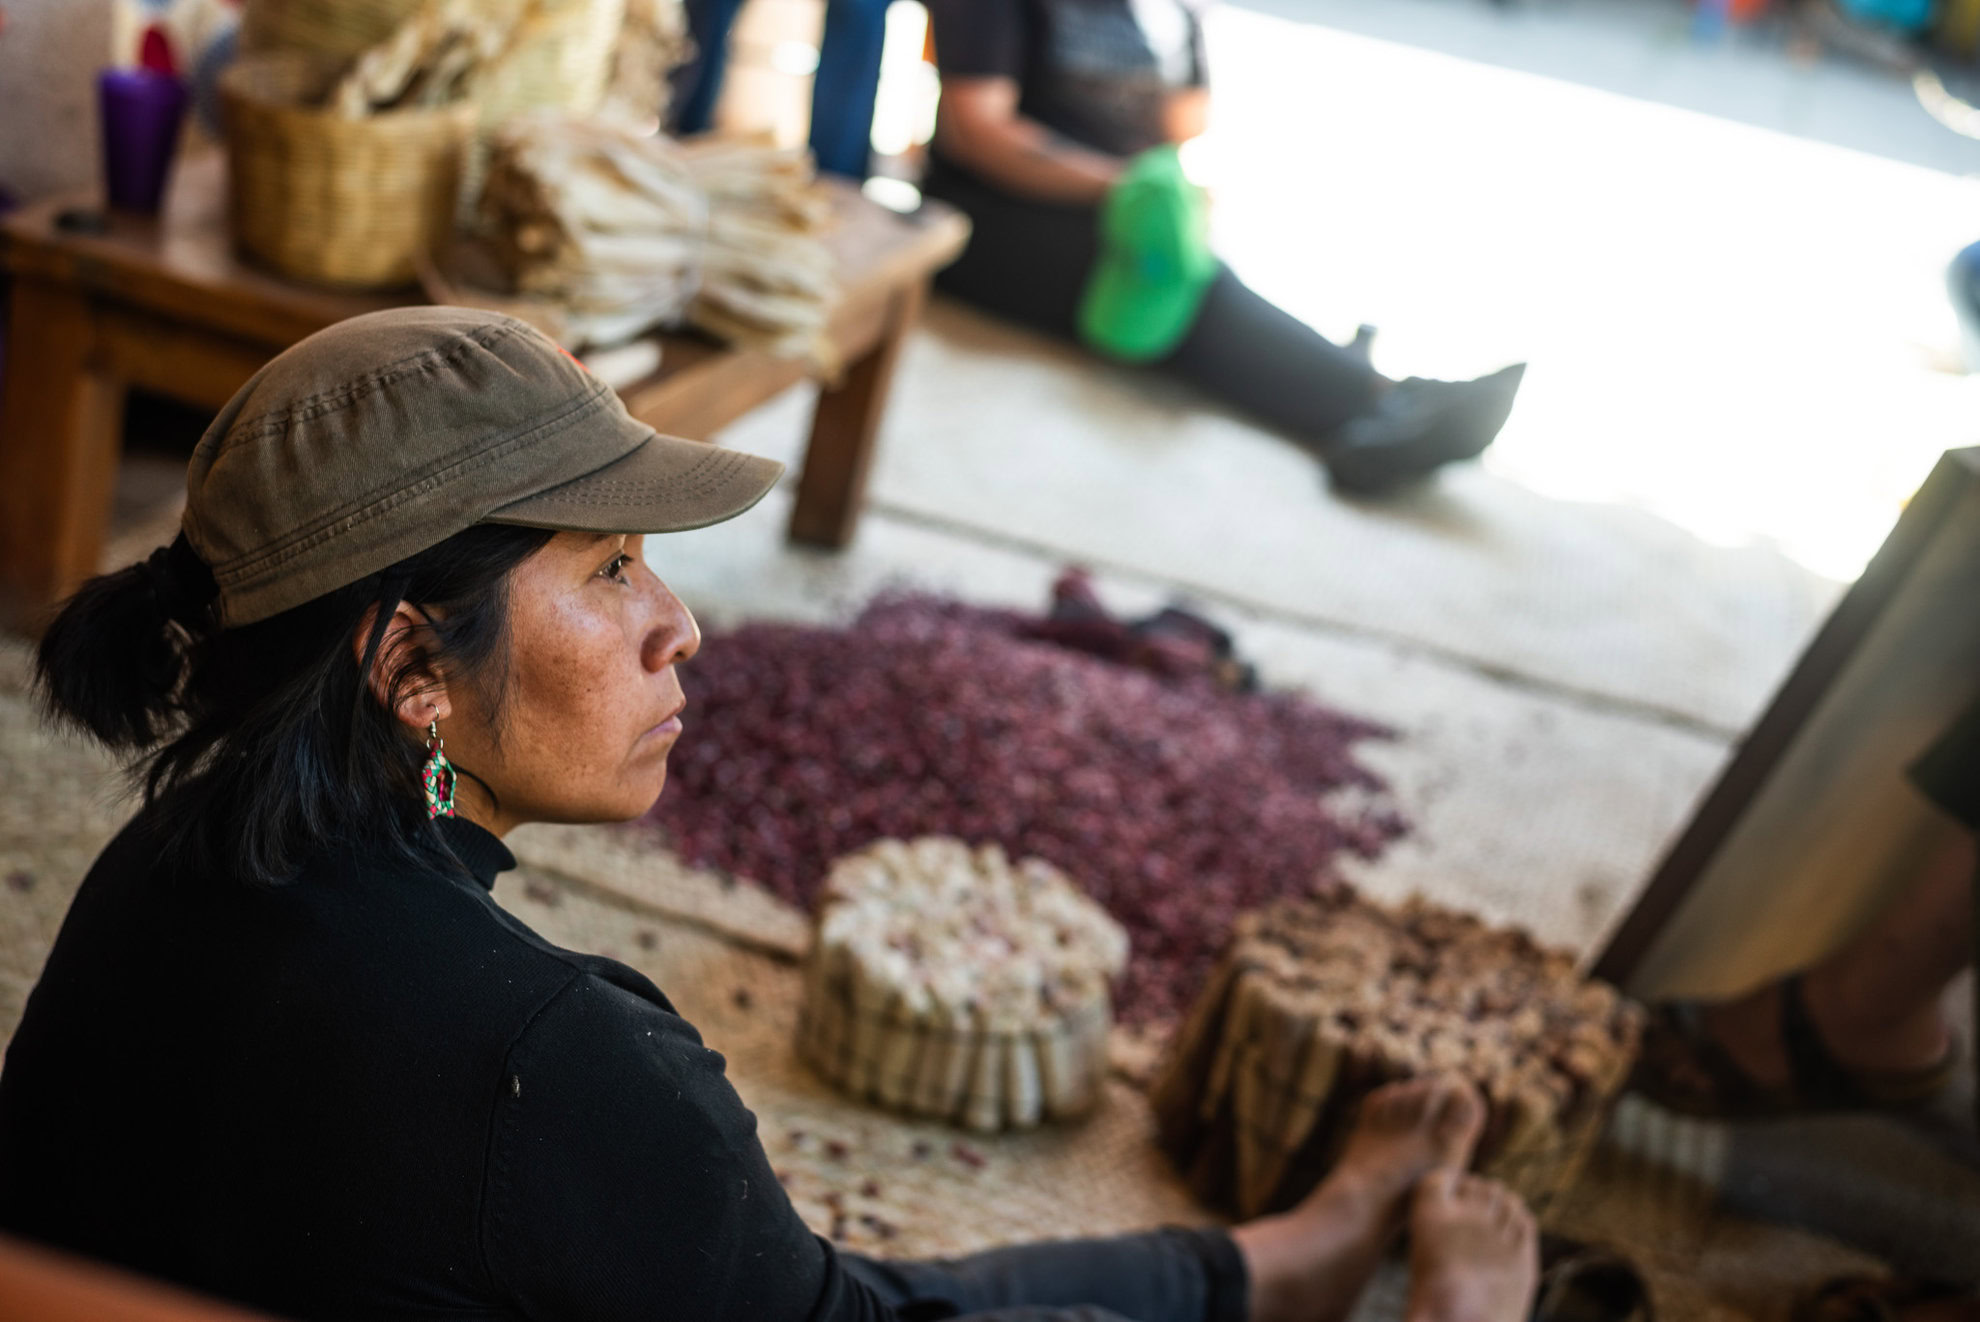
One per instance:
[(725, 952)]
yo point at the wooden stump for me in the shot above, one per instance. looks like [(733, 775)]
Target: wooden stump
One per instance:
[(1317, 1002), (948, 982)]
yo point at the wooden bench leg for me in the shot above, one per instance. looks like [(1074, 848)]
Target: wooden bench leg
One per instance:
[(61, 420), (833, 486)]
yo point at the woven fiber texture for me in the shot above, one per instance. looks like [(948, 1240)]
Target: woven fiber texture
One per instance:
[(335, 201), (877, 1182)]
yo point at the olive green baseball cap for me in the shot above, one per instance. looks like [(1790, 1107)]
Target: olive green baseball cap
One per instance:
[(386, 434), (1154, 264)]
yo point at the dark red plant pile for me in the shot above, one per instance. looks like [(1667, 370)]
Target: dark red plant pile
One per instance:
[(1175, 802)]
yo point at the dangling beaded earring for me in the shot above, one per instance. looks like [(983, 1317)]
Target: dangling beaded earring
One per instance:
[(438, 777)]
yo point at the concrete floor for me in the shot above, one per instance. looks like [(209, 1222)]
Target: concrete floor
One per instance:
[(1649, 50)]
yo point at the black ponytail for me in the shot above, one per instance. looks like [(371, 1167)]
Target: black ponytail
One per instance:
[(114, 660), (262, 744)]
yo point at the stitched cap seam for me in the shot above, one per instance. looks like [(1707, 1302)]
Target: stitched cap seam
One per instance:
[(723, 462), (382, 502), (694, 473), (375, 504), (713, 456), (325, 402)]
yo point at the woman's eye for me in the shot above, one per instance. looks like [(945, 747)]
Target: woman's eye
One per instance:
[(615, 568)]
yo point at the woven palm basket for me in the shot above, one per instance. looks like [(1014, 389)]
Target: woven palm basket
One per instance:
[(561, 59), (335, 201)]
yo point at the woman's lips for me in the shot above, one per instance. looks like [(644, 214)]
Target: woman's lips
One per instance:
[(667, 729)]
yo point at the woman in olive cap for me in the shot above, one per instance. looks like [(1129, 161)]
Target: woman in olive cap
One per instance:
[(289, 1050)]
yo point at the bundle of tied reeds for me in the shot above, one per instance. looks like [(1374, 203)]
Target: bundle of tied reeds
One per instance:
[(625, 230), (1318, 1002)]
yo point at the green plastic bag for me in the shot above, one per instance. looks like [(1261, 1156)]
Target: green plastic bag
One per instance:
[(1155, 262)]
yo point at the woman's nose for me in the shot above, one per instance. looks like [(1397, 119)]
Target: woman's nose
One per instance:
[(673, 635)]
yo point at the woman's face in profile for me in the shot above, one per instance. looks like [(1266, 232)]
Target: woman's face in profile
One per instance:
[(592, 702)]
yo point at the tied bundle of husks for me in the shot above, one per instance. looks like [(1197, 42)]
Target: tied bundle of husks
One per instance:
[(560, 53), (624, 231), (429, 60), (1317, 1002), (950, 982)]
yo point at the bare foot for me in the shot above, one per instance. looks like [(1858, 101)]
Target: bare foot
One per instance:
[(1313, 1262), (1474, 1252), (1405, 1131)]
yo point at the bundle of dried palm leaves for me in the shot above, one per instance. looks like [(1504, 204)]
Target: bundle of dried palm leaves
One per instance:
[(1317, 1002), (767, 279), (431, 59), (625, 231), (652, 43)]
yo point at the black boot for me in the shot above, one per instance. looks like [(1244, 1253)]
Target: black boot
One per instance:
[(1417, 427)]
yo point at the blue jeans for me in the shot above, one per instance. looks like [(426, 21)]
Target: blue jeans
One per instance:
[(842, 95)]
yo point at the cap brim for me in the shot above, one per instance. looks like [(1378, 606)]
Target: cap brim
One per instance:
[(665, 485)]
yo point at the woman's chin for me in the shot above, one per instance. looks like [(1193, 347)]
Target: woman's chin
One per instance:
[(649, 792), (624, 802)]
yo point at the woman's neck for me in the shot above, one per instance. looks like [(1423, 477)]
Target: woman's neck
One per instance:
[(475, 802)]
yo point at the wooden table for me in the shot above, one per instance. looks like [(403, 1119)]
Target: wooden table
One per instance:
[(164, 304)]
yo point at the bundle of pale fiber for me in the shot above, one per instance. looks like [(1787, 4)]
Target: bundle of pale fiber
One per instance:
[(623, 230)]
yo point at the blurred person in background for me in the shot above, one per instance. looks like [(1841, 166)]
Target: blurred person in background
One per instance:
[(1867, 1026), (1864, 1029), (1057, 135), (842, 96)]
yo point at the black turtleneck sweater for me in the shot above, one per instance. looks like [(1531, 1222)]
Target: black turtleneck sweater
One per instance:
[(372, 1093)]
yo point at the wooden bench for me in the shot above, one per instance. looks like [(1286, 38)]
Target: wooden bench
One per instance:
[(164, 304)]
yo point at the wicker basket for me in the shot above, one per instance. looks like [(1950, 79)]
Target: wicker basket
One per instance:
[(336, 201), (562, 59)]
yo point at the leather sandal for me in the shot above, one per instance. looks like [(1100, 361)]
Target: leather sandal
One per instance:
[(1683, 1068), (1876, 1299), (1583, 1283)]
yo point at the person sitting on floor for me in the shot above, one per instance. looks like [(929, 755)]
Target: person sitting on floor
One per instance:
[(1056, 135), (288, 1049)]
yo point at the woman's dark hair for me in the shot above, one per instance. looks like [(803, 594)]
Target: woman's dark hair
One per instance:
[(262, 743)]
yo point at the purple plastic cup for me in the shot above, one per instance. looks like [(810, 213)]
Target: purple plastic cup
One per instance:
[(142, 112)]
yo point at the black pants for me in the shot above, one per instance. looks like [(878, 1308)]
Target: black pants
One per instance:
[(1029, 262), (1170, 1275)]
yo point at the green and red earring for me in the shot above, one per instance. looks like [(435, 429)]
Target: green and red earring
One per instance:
[(438, 776)]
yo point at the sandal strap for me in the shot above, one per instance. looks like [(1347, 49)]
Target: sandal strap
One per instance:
[(1872, 1298), (1819, 1079), (1823, 1082), (1735, 1094)]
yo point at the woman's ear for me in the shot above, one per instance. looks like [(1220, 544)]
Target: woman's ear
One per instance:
[(422, 697)]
